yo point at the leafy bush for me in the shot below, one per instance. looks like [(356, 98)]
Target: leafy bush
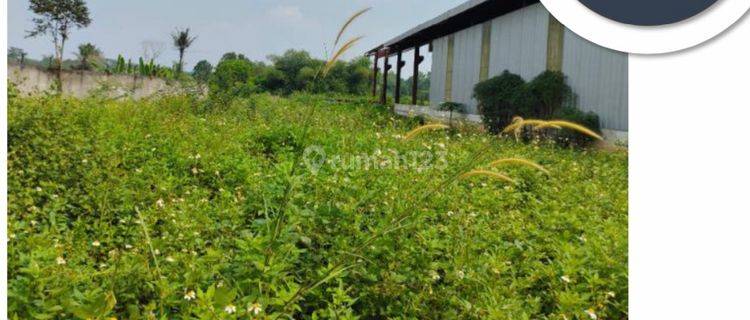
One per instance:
[(232, 78), (154, 209), (501, 98), (550, 93)]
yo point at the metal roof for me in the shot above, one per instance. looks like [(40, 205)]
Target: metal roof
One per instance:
[(469, 13)]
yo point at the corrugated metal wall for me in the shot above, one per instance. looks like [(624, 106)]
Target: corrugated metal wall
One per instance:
[(439, 63), (467, 53), (518, 44), (599, 78)]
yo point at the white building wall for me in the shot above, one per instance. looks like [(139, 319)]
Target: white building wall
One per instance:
[(598, 76), (519, 42), (437, 77), (467, 52)]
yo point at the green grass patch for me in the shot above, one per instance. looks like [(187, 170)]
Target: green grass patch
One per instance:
[(162, 208)]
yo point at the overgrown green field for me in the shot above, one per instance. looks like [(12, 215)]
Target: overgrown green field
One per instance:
[(161, 209)]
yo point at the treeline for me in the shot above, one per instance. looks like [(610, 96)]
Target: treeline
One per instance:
[(292, 71)]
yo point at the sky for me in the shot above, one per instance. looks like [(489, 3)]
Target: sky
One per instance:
[(256, 28)]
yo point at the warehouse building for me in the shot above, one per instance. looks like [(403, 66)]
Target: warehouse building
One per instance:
[(481, 38)]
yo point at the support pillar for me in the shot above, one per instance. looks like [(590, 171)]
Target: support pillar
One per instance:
[(399, 64), (415, 78), (386, 68), (375, 75)]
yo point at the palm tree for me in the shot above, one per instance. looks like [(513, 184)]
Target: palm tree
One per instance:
[(182, 40), (89, 56)]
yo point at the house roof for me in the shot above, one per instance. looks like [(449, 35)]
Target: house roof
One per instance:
[(468, 14)]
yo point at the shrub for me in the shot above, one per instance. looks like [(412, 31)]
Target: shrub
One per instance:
[(501, 98), (233, 77), (451, 107), (550, 93)]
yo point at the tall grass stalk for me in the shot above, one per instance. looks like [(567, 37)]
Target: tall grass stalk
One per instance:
[(280, 219), (424, 128), (518, 161), (487, 173)]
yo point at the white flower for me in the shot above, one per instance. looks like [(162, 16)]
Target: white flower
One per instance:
[(96, 243), (157, 252), (190, 295), (160, 203), (38, 189), (197, 156), (255, 308), (61, 261), (611, 294), (450, 213), (230, 309), (84, 161), (434, 275), (127, 246), (170, 259), (591, 314), (565, 279), (460, 274), (195, 170)]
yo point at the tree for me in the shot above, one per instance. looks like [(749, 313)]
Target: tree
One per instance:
[(89, 56), (232, 56), (182, 40), (17, 54), (57, 18), (232, 78), (202, 71)]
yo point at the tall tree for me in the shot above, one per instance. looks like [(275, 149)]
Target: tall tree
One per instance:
[(57, 18), (202, 71), (182, 40), (89, 56)]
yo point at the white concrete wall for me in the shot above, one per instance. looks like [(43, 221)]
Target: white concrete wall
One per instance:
[(32, 80)]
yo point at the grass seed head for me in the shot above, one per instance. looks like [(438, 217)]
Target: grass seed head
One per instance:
[(427, 127), (519, 161), (487, 173), (574, 127), (348, 23), (344, 48)]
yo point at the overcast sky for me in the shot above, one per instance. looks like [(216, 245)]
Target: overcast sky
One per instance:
[(256, 28)]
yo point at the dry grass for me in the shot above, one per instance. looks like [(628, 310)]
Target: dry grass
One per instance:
[(347, 24), (487, 173), (344, 48), (428, 127), (518, 161), (519, 123)]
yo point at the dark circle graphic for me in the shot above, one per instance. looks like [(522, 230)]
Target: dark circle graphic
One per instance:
[(648, 12)]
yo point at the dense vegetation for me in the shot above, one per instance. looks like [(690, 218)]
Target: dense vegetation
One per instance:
[(547, 96), (164, 208)]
